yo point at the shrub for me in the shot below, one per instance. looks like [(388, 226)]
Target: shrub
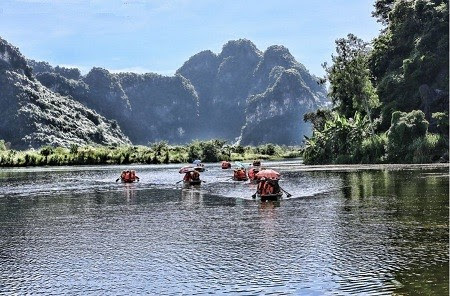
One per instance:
[(2, 145), (373, 149), (405, 129), (427, 149)]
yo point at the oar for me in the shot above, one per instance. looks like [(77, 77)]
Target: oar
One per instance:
[(287, 193), (118, 179), (254, 195), (179, 181)]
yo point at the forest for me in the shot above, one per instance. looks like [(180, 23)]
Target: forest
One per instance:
[(389, 96)]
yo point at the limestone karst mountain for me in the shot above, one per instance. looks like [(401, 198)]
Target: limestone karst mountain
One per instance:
[(240, 94), (32, 115), (256, 96)]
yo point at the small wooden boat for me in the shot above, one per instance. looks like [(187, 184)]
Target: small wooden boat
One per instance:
[(127, 181), (199, 168), (128, 176), (240, 178), (274, 196), (240, 175), (192, 182), (226, 165)]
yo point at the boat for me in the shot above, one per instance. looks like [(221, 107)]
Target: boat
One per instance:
[(192, 182), (200, 167), (240, 175), (226, 165), (128, 176), (191, 176), (274, 196)]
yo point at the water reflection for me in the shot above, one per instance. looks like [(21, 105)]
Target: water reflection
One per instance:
[(359, 232), (129, 191), (192, 195)]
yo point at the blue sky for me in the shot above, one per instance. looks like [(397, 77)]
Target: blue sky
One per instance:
[(158, 36)]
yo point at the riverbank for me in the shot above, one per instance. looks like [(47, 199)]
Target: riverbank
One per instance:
[(157, 153)]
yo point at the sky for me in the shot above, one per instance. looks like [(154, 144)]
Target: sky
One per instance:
[(159, 36)]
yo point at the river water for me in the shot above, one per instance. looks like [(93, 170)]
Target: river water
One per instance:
[(367, 230)]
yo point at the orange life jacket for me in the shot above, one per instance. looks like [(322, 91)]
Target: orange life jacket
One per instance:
[(187, 177), (268, 188), (260, 187), (240, 174), (252, 173), (195, 175)]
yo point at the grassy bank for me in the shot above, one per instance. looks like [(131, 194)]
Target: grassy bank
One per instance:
[(161, 152)]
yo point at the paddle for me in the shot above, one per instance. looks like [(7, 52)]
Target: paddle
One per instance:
[(179, 181), (254, 195), (287, 193), (118, 179)]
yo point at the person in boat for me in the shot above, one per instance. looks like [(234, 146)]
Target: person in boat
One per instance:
[(268, 186), (252, 173), (226, 164), (191, 176), (240, 174), (261, 184), (257, 163), (128, 176)]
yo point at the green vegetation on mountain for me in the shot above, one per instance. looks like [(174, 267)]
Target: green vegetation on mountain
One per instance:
[(32, 115), (390, 97)]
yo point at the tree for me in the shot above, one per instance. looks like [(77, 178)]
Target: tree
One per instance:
[(351, 86), (382, 10), (412, 51)]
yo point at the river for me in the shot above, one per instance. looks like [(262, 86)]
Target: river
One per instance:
[(346, 230)]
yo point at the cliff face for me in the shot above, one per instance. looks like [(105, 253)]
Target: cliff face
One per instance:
[(32, 115), (239, 94), (237, 86), (148, 107), (162, 108), (275, 116)]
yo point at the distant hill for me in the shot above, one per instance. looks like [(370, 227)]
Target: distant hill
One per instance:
[(240, 94), (32, 115)]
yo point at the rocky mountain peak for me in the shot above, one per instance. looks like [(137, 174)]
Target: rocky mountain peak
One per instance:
[(242, 48), (44, 67), (12, 59), (203, 61)]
